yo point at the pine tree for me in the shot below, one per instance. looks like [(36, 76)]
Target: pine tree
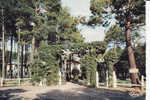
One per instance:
[(90, 65), (4, 6), (130, 15)]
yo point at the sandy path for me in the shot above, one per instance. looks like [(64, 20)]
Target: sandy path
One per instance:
[(70, 91)]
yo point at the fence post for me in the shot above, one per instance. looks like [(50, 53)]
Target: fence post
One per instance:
[(97, 79), (1, 81), (19, 81), (114, 79), (142, 82), (59, 77), (107, 79)]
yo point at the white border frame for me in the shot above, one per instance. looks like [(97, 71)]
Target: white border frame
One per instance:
[(147, 50)]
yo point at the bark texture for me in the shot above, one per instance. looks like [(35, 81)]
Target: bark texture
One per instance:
[(131, 58)]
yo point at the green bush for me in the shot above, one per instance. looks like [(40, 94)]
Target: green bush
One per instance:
[(90, 64), (35, 79), (46, 66)]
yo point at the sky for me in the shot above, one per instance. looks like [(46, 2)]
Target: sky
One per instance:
[(77, 7), (81, 8)]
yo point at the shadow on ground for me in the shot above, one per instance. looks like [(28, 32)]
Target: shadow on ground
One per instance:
[(9, 94), (86, 94)]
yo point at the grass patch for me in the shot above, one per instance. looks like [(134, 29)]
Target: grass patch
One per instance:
[(123, 81)]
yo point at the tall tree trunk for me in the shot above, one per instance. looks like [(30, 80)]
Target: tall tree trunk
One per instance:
[(26, 58), (114, 70), (33, 40), (107, 78), (26, 55), (18, 57), (32, 53), (33, 48), (134, 75), (22, 50), (3, 49), (6, 58), (10, 59)]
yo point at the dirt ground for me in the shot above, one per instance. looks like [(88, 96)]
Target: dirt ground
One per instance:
[(69, 91)]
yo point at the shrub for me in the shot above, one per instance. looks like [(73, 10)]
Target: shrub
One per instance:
[(46, 66), (90, 64)]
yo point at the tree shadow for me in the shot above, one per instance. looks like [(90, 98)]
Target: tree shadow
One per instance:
[(9, 94), (78, 82), (86, 94)]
